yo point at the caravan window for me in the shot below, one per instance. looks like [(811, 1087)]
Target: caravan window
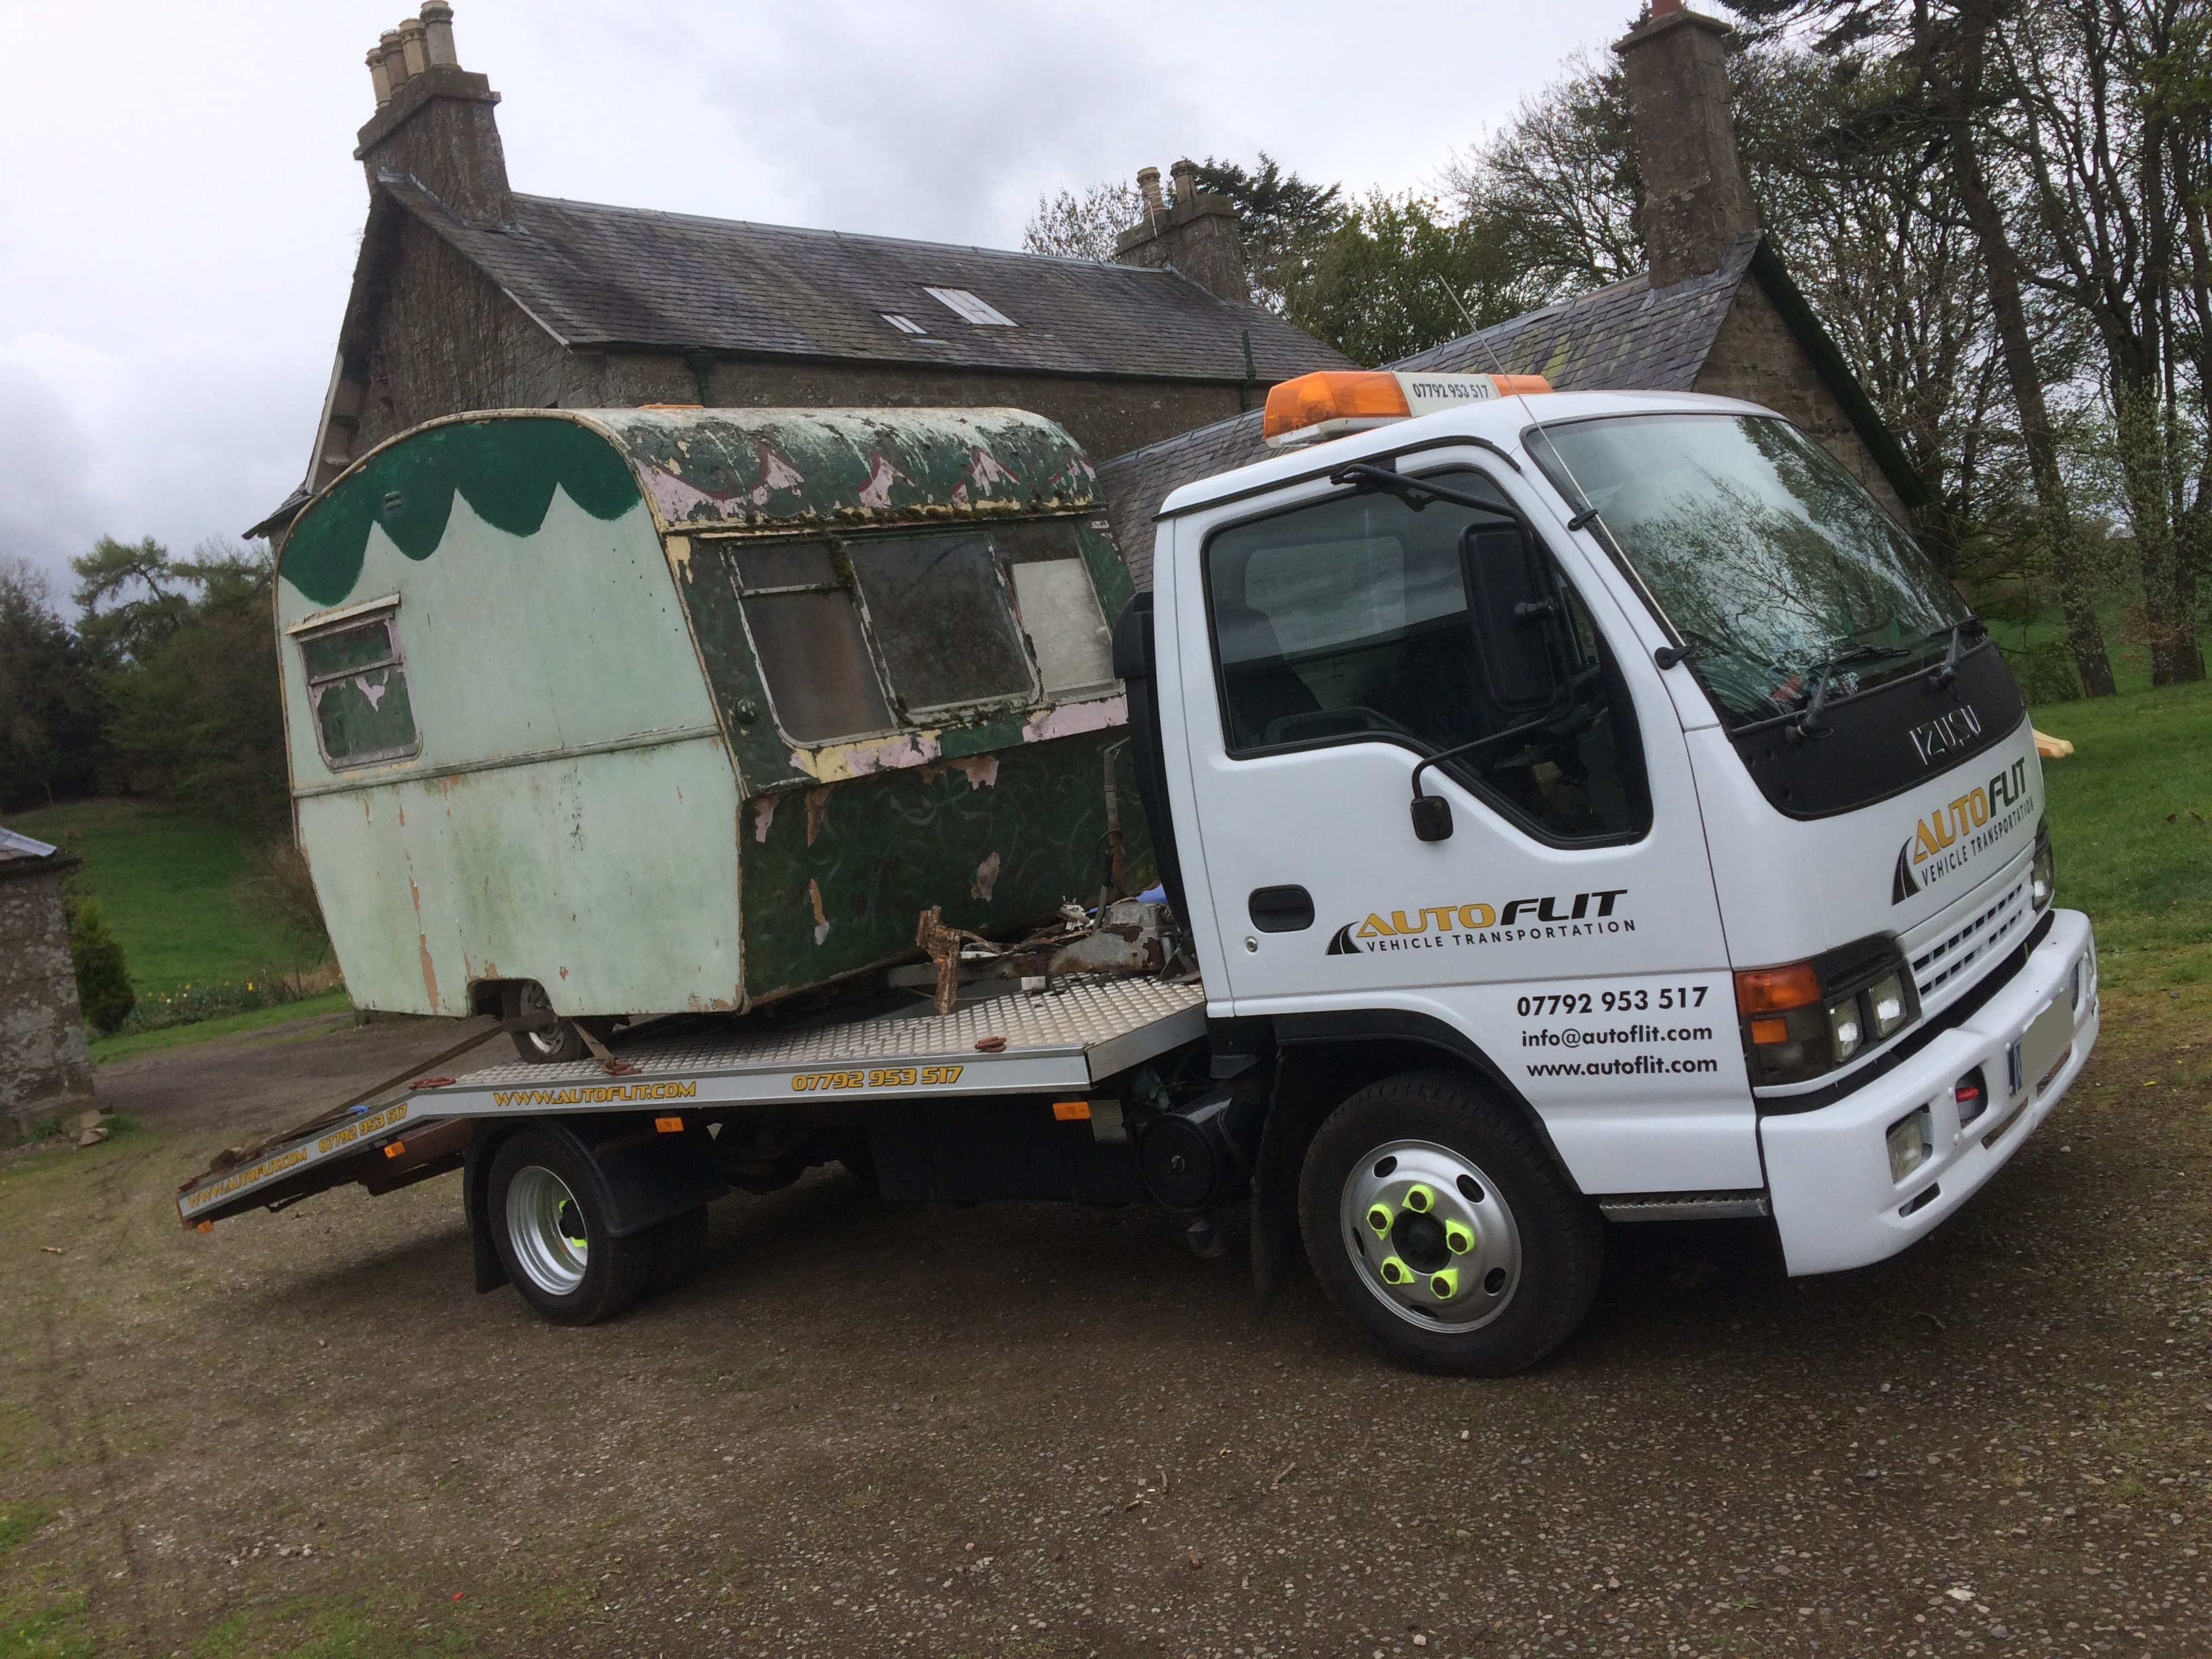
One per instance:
[(939, 614), (860, 637), (357, 687)]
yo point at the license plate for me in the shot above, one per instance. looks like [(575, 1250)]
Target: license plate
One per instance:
[(2044, 1042)]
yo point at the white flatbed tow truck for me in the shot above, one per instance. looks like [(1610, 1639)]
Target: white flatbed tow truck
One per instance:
[(1571, 810)]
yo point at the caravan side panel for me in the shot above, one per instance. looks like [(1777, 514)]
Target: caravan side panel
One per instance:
[(520, 775)]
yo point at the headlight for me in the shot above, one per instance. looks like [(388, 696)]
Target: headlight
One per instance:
[(1808, 1018), (1845, 1034), (2042, 871), (1885, 996)]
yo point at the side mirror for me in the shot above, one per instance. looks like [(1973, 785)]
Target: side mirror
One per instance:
[(1515, 612), (1431, 818)]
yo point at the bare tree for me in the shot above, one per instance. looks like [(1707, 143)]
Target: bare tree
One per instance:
[(1083, 227)]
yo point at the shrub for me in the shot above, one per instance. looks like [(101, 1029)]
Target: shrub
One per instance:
[(2045, 672), (103, 981), (189, 1004), (279, 887)]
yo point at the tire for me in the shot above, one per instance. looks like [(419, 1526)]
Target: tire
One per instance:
[(1439, 1224), (550, 1231), (546, 1039), (678, 1247)]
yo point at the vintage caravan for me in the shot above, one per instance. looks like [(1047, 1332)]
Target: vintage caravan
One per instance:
[(596, 714)]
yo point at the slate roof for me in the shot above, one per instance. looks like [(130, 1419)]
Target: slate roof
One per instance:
[(1627, 337), (604, 277)]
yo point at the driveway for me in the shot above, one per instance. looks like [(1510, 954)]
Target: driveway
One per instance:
[(872, 1429)]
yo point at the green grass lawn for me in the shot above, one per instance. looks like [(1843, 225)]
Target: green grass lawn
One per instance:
[(124, 1044), (167, 885), (2130, 815)]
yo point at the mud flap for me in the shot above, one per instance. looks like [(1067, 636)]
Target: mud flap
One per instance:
[(476, 1185), (1274, 1213)]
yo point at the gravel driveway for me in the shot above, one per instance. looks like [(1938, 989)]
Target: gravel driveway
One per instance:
[(872, 1429)]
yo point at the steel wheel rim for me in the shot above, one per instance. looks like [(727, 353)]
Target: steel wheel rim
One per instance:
[(545, 1225), (542, 1027), (1430, 1235)]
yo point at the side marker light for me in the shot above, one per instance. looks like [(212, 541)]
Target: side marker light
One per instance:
[(395, 1149), (668, 1126), (1071, 1111), (207, 1226)]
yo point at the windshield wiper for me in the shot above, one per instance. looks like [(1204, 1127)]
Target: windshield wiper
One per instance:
[(1940, 677), (1808, 723)]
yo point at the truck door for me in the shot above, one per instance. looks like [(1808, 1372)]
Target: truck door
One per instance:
[(1567, 925)]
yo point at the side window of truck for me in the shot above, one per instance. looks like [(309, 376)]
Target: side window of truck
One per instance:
[(357, 687), (1347, 621)]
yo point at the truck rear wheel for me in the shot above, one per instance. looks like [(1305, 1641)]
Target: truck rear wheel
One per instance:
[(1438, 1224), (550, 1231)]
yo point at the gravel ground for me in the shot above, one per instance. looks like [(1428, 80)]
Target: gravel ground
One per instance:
[(999, 1430)]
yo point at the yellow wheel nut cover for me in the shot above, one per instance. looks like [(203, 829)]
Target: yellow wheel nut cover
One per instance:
[(1420, 1200), (1379, 1217), (1445, 1283), (1396, 1272), (1457, 1239)]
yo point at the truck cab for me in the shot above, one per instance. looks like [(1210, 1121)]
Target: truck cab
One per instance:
[(1590, 805)]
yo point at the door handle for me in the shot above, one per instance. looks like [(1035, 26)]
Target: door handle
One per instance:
[(1280, 909)]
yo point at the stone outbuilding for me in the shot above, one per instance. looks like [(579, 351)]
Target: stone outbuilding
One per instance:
[(1715, 312), (469, 295), (46, 1066)]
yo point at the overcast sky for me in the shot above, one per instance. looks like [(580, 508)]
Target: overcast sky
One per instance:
[(179, 206)]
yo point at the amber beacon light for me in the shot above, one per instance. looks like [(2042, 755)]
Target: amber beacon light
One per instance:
[(1332, 401)]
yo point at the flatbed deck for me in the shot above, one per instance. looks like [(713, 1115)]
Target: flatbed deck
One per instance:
[(1070, 1038)]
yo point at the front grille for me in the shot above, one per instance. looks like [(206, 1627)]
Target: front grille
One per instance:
[(1985, 935)]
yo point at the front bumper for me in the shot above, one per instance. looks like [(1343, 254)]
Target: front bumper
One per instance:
[(1827, 1171)]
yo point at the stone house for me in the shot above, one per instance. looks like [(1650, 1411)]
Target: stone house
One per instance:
[(1715, 312), (470, 295), (45, 1068)]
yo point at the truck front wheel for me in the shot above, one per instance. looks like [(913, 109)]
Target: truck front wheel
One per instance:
[(1437, 1221), (551, 1230)]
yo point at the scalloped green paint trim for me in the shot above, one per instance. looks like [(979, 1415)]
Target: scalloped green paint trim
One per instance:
[(507, 469)]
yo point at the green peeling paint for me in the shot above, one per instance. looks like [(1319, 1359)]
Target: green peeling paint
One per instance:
[(507, 470)]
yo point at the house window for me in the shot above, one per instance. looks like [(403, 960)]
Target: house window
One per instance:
[(969, 308), (357, 688), (865, 635)]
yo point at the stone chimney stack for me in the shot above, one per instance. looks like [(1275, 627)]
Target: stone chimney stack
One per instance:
[(1695, 200), (434, 121), (1197, 235)]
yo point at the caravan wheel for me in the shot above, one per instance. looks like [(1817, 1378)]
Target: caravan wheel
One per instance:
[(541, 1035)]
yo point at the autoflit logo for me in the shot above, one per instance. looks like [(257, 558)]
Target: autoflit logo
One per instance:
[(1948, 839), (1570, 915)]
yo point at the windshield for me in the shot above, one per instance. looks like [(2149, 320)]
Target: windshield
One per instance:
[(1772, 561)]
